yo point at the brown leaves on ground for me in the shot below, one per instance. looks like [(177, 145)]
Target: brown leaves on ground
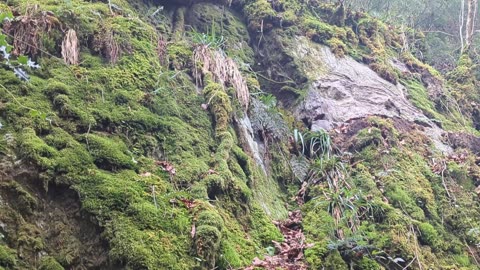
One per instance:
[(289, 253), (188, 203), (440, 165), (167, 166)]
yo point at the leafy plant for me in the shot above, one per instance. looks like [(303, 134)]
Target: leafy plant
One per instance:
[(209, 39), (269, 100), (313, 144)]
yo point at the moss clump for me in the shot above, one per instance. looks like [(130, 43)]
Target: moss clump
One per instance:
[(368, 264), (385, 71), (263, 229), (260, 15), (7, 257), (428, 234), (49, 263), (108, 152), (338, 47), (211, 218), (334, 261), (219, 103), (27, 202), (207, 243), (35, 149), (319, 31), (179, 55)]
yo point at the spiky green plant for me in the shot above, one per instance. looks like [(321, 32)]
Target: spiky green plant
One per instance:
[(210, 38)]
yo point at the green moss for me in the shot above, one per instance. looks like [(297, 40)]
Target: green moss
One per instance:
[(419, 97), (385, 71), (462, 260), (368, 264), (179, 55), (220, 105), (401, 199), (317, 225), (212, 219), (460, 174), (428, 234), (335, 262), (338, 47), (49, 263), (259, 12), (207, 243), (35, 149), (30, 239), (317, 30), (7, 257), (109, 152), (27, 202), (263, 229)]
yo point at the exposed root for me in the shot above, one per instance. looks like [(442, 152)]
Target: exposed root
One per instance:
[(70, 48), (107, 45), (224, 70), (162, 50)]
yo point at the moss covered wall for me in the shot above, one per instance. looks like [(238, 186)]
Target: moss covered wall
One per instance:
[(133, 159)]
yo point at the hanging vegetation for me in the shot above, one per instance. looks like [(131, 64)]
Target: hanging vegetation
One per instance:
[(224, 70), (70, 48)]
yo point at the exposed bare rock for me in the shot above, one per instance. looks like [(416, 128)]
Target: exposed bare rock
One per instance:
[(344, 89)]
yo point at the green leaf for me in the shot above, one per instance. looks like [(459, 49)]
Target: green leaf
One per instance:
[(5, 15), (22, 59), (3, 40), (34, 113)]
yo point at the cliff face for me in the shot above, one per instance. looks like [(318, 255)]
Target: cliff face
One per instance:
[(202, 135)]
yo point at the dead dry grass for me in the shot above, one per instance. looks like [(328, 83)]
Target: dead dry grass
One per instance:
[(223, 69)]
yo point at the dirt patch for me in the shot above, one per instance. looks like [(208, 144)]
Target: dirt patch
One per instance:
[(464, 140)]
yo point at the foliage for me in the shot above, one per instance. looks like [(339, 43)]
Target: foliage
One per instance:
[(105, 128), (210, 39)]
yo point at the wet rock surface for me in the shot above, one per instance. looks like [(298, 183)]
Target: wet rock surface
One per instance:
[(346, 89)]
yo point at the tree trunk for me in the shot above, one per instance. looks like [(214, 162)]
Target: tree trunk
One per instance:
[(470, 25)]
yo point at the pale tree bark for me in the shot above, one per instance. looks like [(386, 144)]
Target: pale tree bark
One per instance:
[(470, 24)]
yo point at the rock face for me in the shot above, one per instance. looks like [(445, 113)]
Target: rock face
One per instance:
[(344, 89)]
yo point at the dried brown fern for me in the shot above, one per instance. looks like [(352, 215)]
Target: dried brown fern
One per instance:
[(111, 48), (70, 48), (28, 28), (223, 69), (162, 50)]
